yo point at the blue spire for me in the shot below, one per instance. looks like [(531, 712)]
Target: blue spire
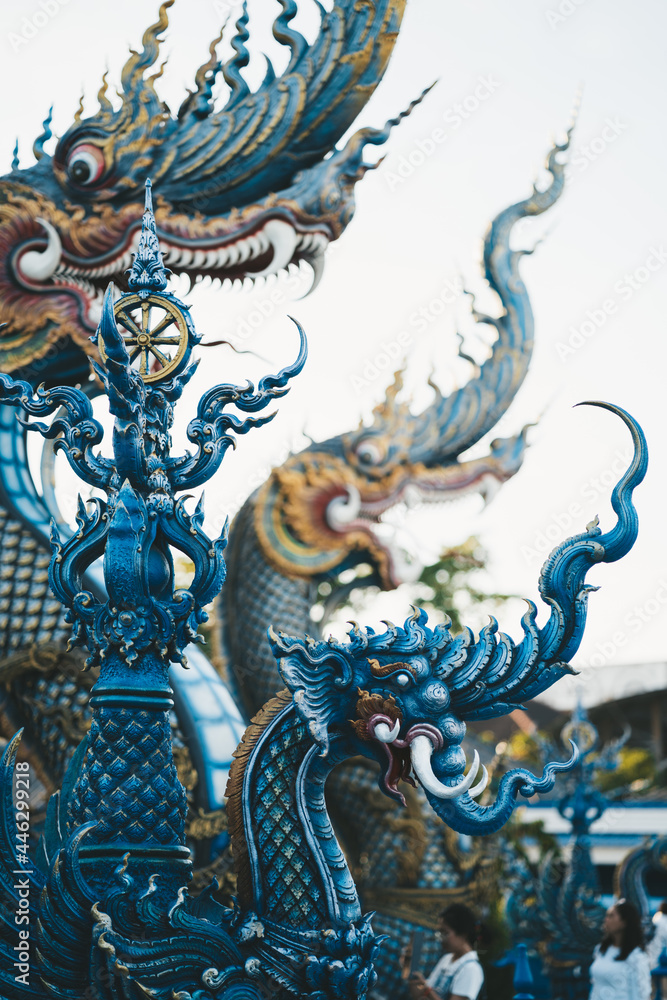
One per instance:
[(38, 145), (15, 157), (148, 273), (581, 729)]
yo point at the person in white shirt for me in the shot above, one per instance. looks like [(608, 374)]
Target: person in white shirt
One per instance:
[(659, 940), (621, 969), (458, 975)]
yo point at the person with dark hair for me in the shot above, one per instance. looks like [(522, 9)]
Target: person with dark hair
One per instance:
[(620, 969), (458, 975)]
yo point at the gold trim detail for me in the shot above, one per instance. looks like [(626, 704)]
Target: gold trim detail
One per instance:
[(234, 792), (143, 339)]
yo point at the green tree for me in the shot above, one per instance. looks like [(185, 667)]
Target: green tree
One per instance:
[(456, 582)]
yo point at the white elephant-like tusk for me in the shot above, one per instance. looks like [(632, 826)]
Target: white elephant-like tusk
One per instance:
[(342, 510), (40, 265), (384, 734), (421, 750), (283, 239), (481, 784)]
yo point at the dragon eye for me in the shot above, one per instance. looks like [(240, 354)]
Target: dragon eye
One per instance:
[(85, 164), (369, 453), (402, 679)]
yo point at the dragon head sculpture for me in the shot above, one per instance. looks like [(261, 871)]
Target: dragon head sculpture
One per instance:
[(320, 510), (408, 692), (245, 190)]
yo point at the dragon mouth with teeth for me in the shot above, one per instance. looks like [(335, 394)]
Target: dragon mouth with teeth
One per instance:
[(243, 189), (252, 251), (314, 515), (63, 271), (379, 720)]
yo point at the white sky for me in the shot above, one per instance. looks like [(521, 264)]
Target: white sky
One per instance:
[(410, 238)]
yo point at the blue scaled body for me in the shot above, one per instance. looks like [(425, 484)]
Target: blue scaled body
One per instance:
[(110, 914)]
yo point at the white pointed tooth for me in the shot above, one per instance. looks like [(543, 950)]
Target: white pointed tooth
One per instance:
[(317, 264), (186, 257), (172, 256), (411, 496), (95, 309), (136, 236), (421, 750), (255, 245), (481, 784), (383, 733), (306, 241), (283, 239), (407, 566), (489, 489), (227, 284), (199, 258), (244, 249), (40, 265)]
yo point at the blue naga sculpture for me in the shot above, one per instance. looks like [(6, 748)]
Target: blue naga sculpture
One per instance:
[(631, 874), (559, 908), (320, 514), (106, 900), (246, 189), (315, 517)]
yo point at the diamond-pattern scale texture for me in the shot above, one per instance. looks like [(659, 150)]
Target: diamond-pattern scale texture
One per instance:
[(128, 783), (292, 891)]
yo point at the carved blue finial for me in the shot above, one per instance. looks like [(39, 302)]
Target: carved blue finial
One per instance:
[(15, 156), (41, 140), (559, 906), (148, 273), (144, 622), (580, 729)]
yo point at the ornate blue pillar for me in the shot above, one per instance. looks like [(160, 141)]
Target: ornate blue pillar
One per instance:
[(122, 783), (523, 977)]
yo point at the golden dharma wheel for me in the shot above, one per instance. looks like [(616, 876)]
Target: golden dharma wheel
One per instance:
[(582, 732), (155, 334)]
